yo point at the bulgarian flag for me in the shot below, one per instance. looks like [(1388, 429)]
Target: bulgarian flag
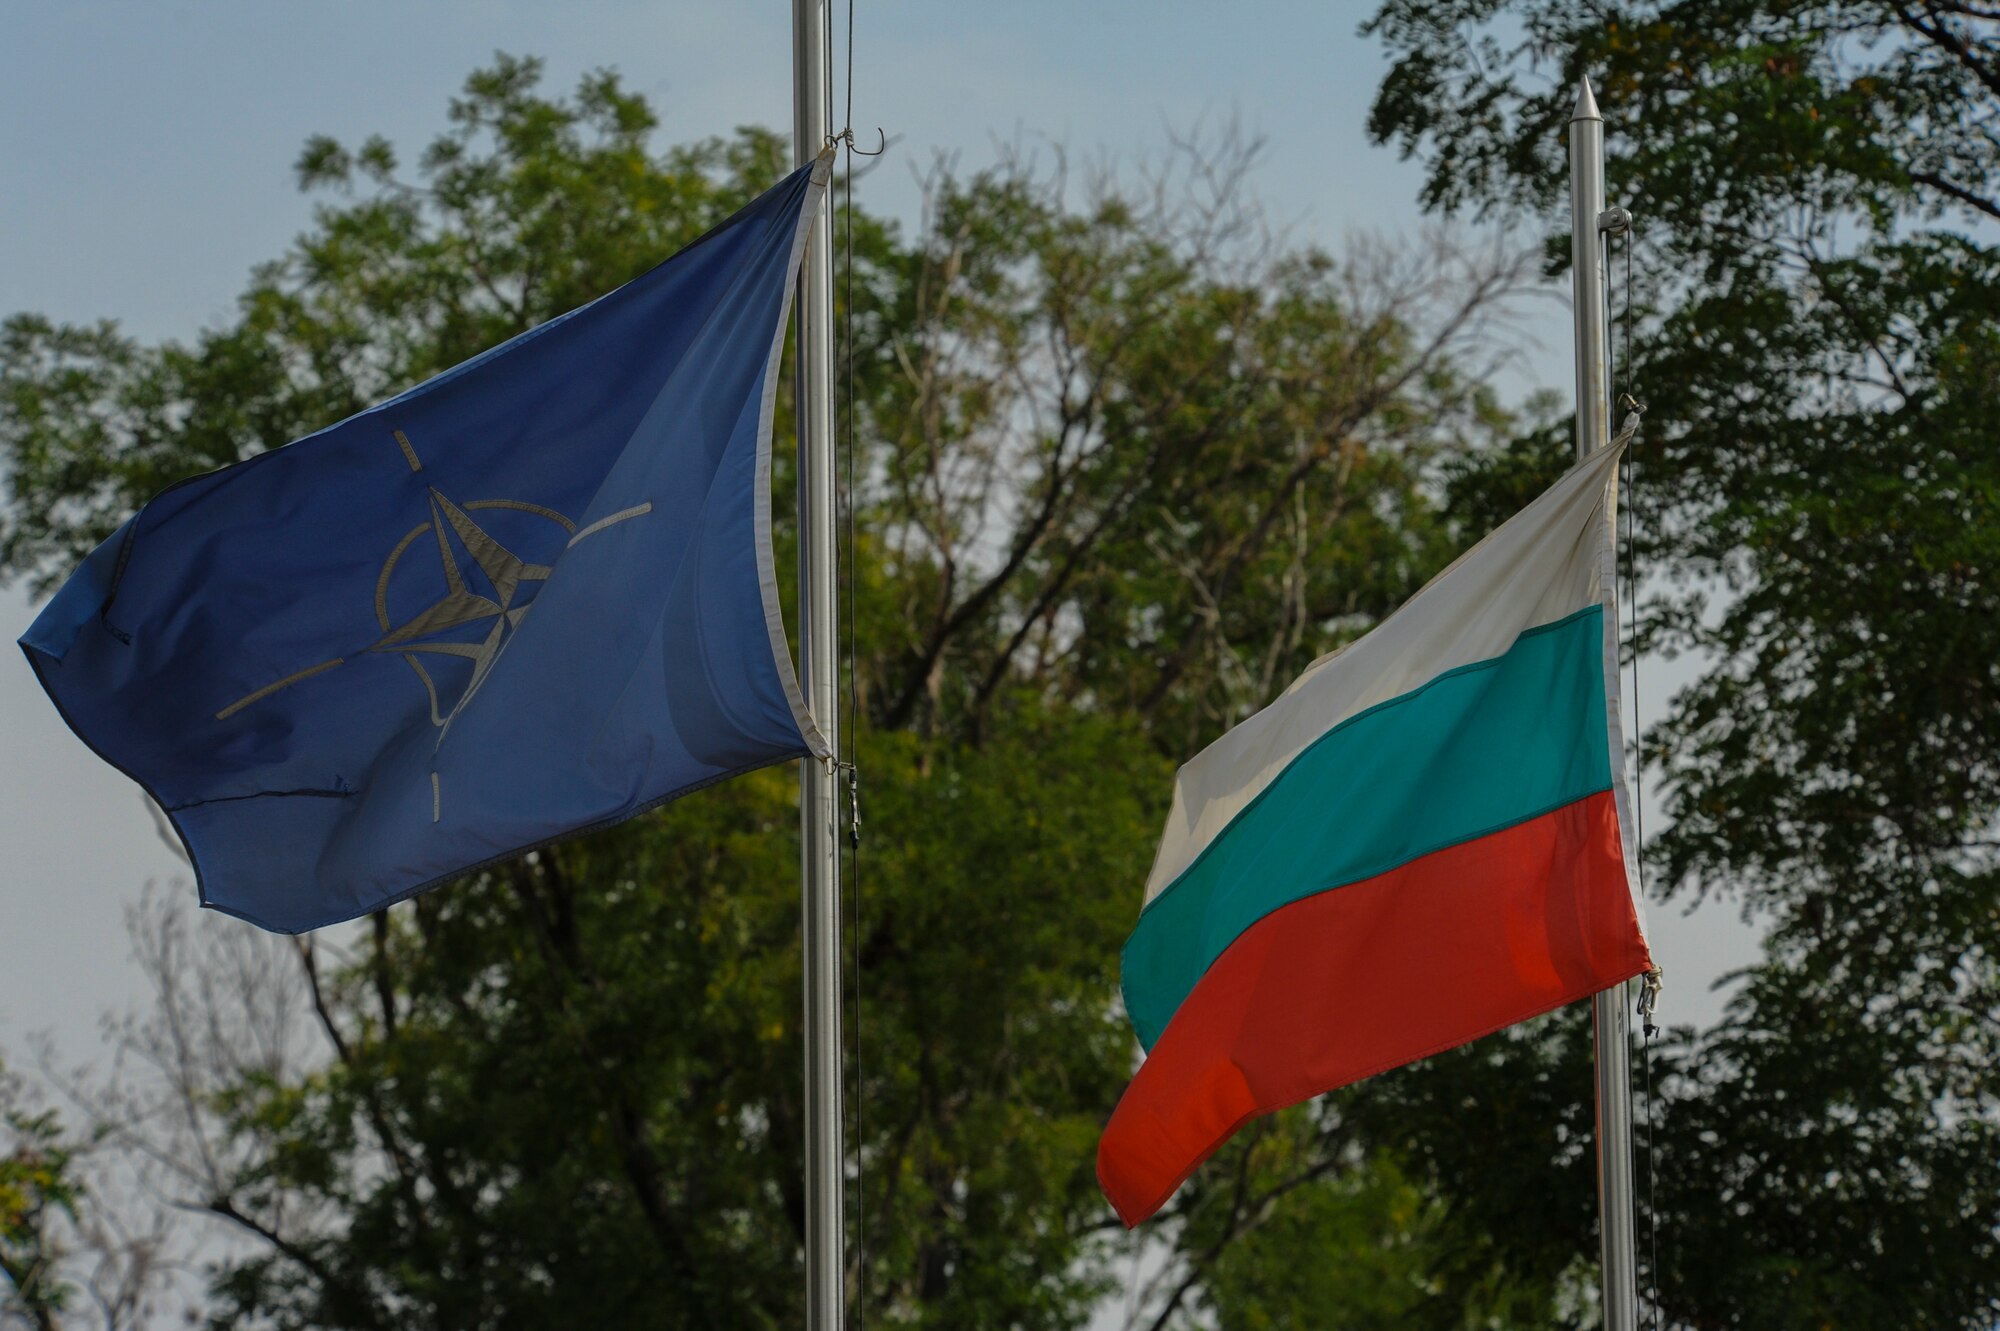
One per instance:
[(1426, 838)]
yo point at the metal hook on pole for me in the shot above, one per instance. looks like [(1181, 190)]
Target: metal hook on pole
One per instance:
[(846, 136)]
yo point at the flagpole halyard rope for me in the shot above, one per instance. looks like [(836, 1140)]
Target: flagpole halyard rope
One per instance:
[(852, 730), (1649, 994)]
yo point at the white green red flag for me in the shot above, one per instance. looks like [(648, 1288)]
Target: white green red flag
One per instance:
[(1426, 838)]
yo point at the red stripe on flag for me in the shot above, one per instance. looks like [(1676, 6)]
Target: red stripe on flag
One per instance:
[(1362, 978)]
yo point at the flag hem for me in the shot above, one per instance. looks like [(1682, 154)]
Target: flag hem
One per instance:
[(767, 574), (1621, 791)]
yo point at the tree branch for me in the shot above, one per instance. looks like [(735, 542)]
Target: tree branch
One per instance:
[(1956, 191)]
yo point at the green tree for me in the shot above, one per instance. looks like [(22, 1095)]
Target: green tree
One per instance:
[(1128, 465), (1817, 293), (38, 1190)]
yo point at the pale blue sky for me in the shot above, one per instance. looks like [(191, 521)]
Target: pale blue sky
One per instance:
[(145, 155), (148, 147)]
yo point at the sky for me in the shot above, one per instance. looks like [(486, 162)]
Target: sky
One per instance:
[(145, 166)]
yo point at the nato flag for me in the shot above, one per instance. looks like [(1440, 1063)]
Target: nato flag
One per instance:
[(531, 596)]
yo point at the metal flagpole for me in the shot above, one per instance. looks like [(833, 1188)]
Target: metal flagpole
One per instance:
[(812, 115), (1611, 1026)]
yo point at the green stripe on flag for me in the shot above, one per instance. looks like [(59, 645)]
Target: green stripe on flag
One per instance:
[(1475, 750)]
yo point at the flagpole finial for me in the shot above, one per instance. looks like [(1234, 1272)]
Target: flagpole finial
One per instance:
[(1586, 102)]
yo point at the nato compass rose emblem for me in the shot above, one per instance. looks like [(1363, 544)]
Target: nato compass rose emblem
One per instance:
[(452, 643)]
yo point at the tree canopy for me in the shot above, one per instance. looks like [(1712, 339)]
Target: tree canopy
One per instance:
[(1816, 294), (38, 1189), (1126, 464)]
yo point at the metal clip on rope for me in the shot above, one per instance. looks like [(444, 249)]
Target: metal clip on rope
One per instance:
[(1650, 985), (1628, 427), (853, 802)]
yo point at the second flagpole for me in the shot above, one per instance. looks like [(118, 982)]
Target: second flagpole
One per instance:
[(819, 656), (1610, 1024)]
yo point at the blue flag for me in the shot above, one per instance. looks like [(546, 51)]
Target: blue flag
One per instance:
[(531, 596)]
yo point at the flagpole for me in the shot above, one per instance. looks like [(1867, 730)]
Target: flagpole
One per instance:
[(812, 115), (1610, 1025)]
